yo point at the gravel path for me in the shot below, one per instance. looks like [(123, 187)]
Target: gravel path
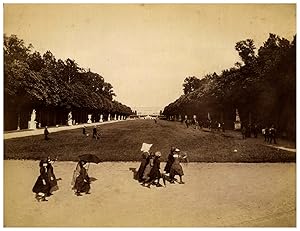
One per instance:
[(215, 195)]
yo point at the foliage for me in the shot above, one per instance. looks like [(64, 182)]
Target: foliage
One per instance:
[(263, 88), (33, 80)]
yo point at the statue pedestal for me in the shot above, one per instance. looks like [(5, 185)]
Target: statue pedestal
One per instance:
[(31, 124), (70, 122), (237, 125)]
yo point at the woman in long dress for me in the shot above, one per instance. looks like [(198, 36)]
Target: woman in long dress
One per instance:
[(176, 168), (144, 162), (148, 168), (82, 179), (170, 160), (155, 171), (42, 184), (51, 176)]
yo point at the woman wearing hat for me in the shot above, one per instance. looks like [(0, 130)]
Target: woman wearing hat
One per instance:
[(144, 162), (51, 176), (82, 180), (155, 171), (176, 168), (42, 185), (170, 160), (149, 165)]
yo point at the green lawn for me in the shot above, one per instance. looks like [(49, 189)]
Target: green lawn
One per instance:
[(122, 142)]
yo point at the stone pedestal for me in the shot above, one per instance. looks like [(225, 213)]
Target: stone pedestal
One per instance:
[(31, 124), (89, 119), (115, 117), (237, 125), (108, 118), (101, 119), (70, 122), (118, 117)]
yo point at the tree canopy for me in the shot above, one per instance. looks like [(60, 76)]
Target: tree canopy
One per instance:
[(263, 86), (34, 80)]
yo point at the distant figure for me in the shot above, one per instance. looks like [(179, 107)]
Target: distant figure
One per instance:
[(81, 179), (83, 130), (272, 134), (95, 133), (219, 126), (155, 121), (186, 123), (42, 184), (46, 133), (248, 131), (223, 127), (255, 130), (266, 134), (244, 132)]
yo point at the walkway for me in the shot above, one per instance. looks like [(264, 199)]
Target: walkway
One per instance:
[(40, 131), (282, 148), (214, 195)]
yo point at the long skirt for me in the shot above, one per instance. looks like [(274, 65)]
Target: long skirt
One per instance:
[(39, 187), (141, 170), (176, 169), (81, 185), (147, 172)]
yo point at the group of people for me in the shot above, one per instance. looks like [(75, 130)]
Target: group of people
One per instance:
[(149, 171), (247, 130), (148, 174), (269, 134), (46, 182), (209, 124), (96, 135)]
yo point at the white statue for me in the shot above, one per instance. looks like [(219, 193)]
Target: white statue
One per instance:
[(32, 123), (70, 122), (237, 117), (237, 123), (33, 115), (108, 119), (101, 118)]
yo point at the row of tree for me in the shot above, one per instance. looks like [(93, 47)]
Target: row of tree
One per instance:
[(32, 80), (262, 88)]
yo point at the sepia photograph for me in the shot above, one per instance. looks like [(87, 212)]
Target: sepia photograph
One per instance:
[(149, 115)]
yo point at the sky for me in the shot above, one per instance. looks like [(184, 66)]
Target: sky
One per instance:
[(147, 50)]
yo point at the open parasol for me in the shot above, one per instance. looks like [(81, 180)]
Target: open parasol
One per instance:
[(90, 158)]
